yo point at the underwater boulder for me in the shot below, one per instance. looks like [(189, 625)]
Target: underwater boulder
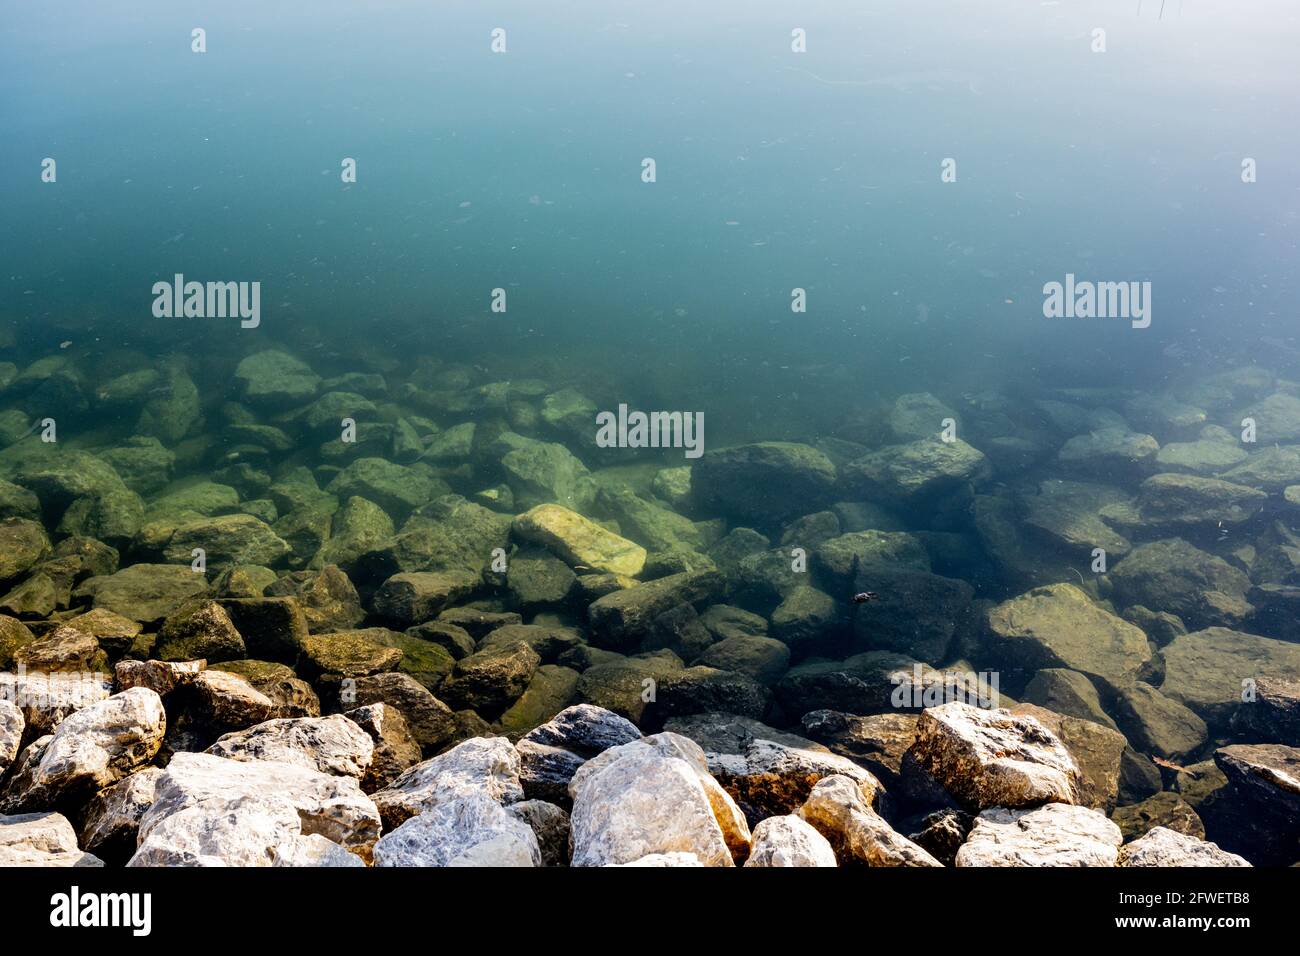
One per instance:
[(1175, 576), (919, 470), (767, 482), (275, 379)]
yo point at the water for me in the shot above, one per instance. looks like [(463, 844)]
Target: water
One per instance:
[(775, 171)]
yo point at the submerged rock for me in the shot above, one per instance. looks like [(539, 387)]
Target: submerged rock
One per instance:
[(1177, 577), (915, 471), (578, 540), (1209, 671), (767, 481), (1059, 626)]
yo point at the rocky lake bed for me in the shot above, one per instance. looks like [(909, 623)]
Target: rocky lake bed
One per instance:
[(267, 611)]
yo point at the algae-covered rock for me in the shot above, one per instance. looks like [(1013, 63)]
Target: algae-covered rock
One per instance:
[(398, 489), (1060, 626), (275, 379), (227, 539), (144, 592), (1212, 670), (917, 470), (767, 482), (1175, 576), (23, 544)]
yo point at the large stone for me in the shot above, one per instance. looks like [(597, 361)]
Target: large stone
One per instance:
[(1107, 450), (398, 489), (14, 634), (1067, 692), (767, 481), (93, 749), (1174, 501), (492, 679), (417, 596), (432, 722), (549, 824), (1059, 626), (916, 471), (145, 592), (916, 612), (579, 541), (327, 597), (547, 694), (348, 654), (1263, 800), (1164, 847), (395, 746), (619, 620), (1098, 751), (769, 778), (1274, 713), (1210, 670), (211, 811), (994, 758), (545, 472), (331, 744), (836, 808), (41, 839), (787, 841), (62, 649), (879, 742), (551, 753), (761, 658), (12, 724), (227, 540), (1070, 513), (484, 765), (112, 820), (23, 544), (653, 796), (1056, 834), (1164, 809), (273, 628), (1158, 725), (1173, 575), (470, 829), (200, 630), (276, 379)]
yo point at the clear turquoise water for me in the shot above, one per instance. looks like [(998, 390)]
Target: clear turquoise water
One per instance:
[(522, 171)]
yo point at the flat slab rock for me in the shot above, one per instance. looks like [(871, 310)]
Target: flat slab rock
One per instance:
[(331, 744), (212, 811), (1055, 834), (993, 758), (1164, 847)]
